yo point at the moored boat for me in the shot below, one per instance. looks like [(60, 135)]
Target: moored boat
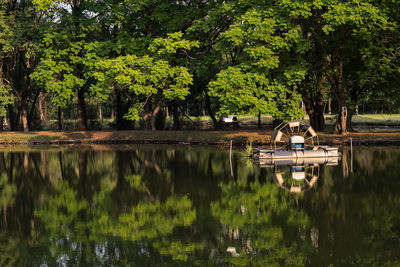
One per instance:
[(301, 142)]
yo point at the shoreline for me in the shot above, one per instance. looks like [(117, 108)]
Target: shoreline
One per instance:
[(219, 138)]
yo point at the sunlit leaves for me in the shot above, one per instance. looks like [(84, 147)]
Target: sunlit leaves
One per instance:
[(259, 81), (43, 4), (356, 14), (142, 77), (6, 32), (172, 44), (6, 96)]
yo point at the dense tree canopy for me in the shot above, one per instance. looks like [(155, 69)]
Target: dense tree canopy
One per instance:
[(142, 60)]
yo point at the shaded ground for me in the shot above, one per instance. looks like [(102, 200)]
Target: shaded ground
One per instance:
[(361, 123), (241, 137)]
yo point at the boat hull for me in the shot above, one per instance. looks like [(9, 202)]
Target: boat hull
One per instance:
[(312, 152)]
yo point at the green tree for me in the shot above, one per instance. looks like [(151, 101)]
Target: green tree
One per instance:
[(62, 70), (147, 78), (265, 76), (338, 35), (19, 23)]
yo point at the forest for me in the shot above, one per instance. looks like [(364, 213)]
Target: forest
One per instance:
[(144, 60)]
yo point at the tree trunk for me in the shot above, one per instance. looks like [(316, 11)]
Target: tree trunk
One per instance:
[(147, 120), (118, 111), (11, 118), (112, 113), (210, 112), (177, 125), (315, 109), (24, 115), (44, 108), (329, 106), (319, 119), (341, 123), (259, 120), (32, 110), (18, 117), (82, 120), (154, 116), (40, 106), (99, 112), (167, 112), (349, 123), (1, 123), (60, 118)]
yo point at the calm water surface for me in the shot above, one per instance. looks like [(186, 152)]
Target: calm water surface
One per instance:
[(186, 206)]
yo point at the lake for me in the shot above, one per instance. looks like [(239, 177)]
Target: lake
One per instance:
[(192, 206)]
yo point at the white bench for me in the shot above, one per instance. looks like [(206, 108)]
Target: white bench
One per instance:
[(231, 119)]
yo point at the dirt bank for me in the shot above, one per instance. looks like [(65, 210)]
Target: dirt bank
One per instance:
[(182, 137)]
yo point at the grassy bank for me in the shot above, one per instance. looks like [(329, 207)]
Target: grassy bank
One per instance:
[(361, 123), (241, 137)]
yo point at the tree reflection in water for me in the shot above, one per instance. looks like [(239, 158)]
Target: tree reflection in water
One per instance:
[(263, 222), (180, 206)]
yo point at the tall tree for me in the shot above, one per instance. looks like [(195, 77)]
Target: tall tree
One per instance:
[(19, 24), (215, 19), (337, 33), (264, 74), (62, 70), (149, 81)]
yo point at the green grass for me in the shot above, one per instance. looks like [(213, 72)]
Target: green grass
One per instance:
[(382, 119), (380, 123), (241, 137)]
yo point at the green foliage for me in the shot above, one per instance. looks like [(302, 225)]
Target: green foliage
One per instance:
[(43, 4), (233, 56), (60, 70), (259, 81), (6, 98), (171, 45), (145, 76), (6, 33)]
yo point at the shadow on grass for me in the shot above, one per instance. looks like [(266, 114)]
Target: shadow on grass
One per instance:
[(43, 139), (64, 137), (77, 135)]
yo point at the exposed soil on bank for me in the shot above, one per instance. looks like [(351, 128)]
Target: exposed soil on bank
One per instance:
[(241, 137)]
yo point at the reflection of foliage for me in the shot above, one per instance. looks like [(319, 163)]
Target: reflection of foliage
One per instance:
[(261, 213), (125, 205), (176, 249), (7, 191), (135, 181), (62, 211), (10, 253), (149, 220), (78, 221)]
